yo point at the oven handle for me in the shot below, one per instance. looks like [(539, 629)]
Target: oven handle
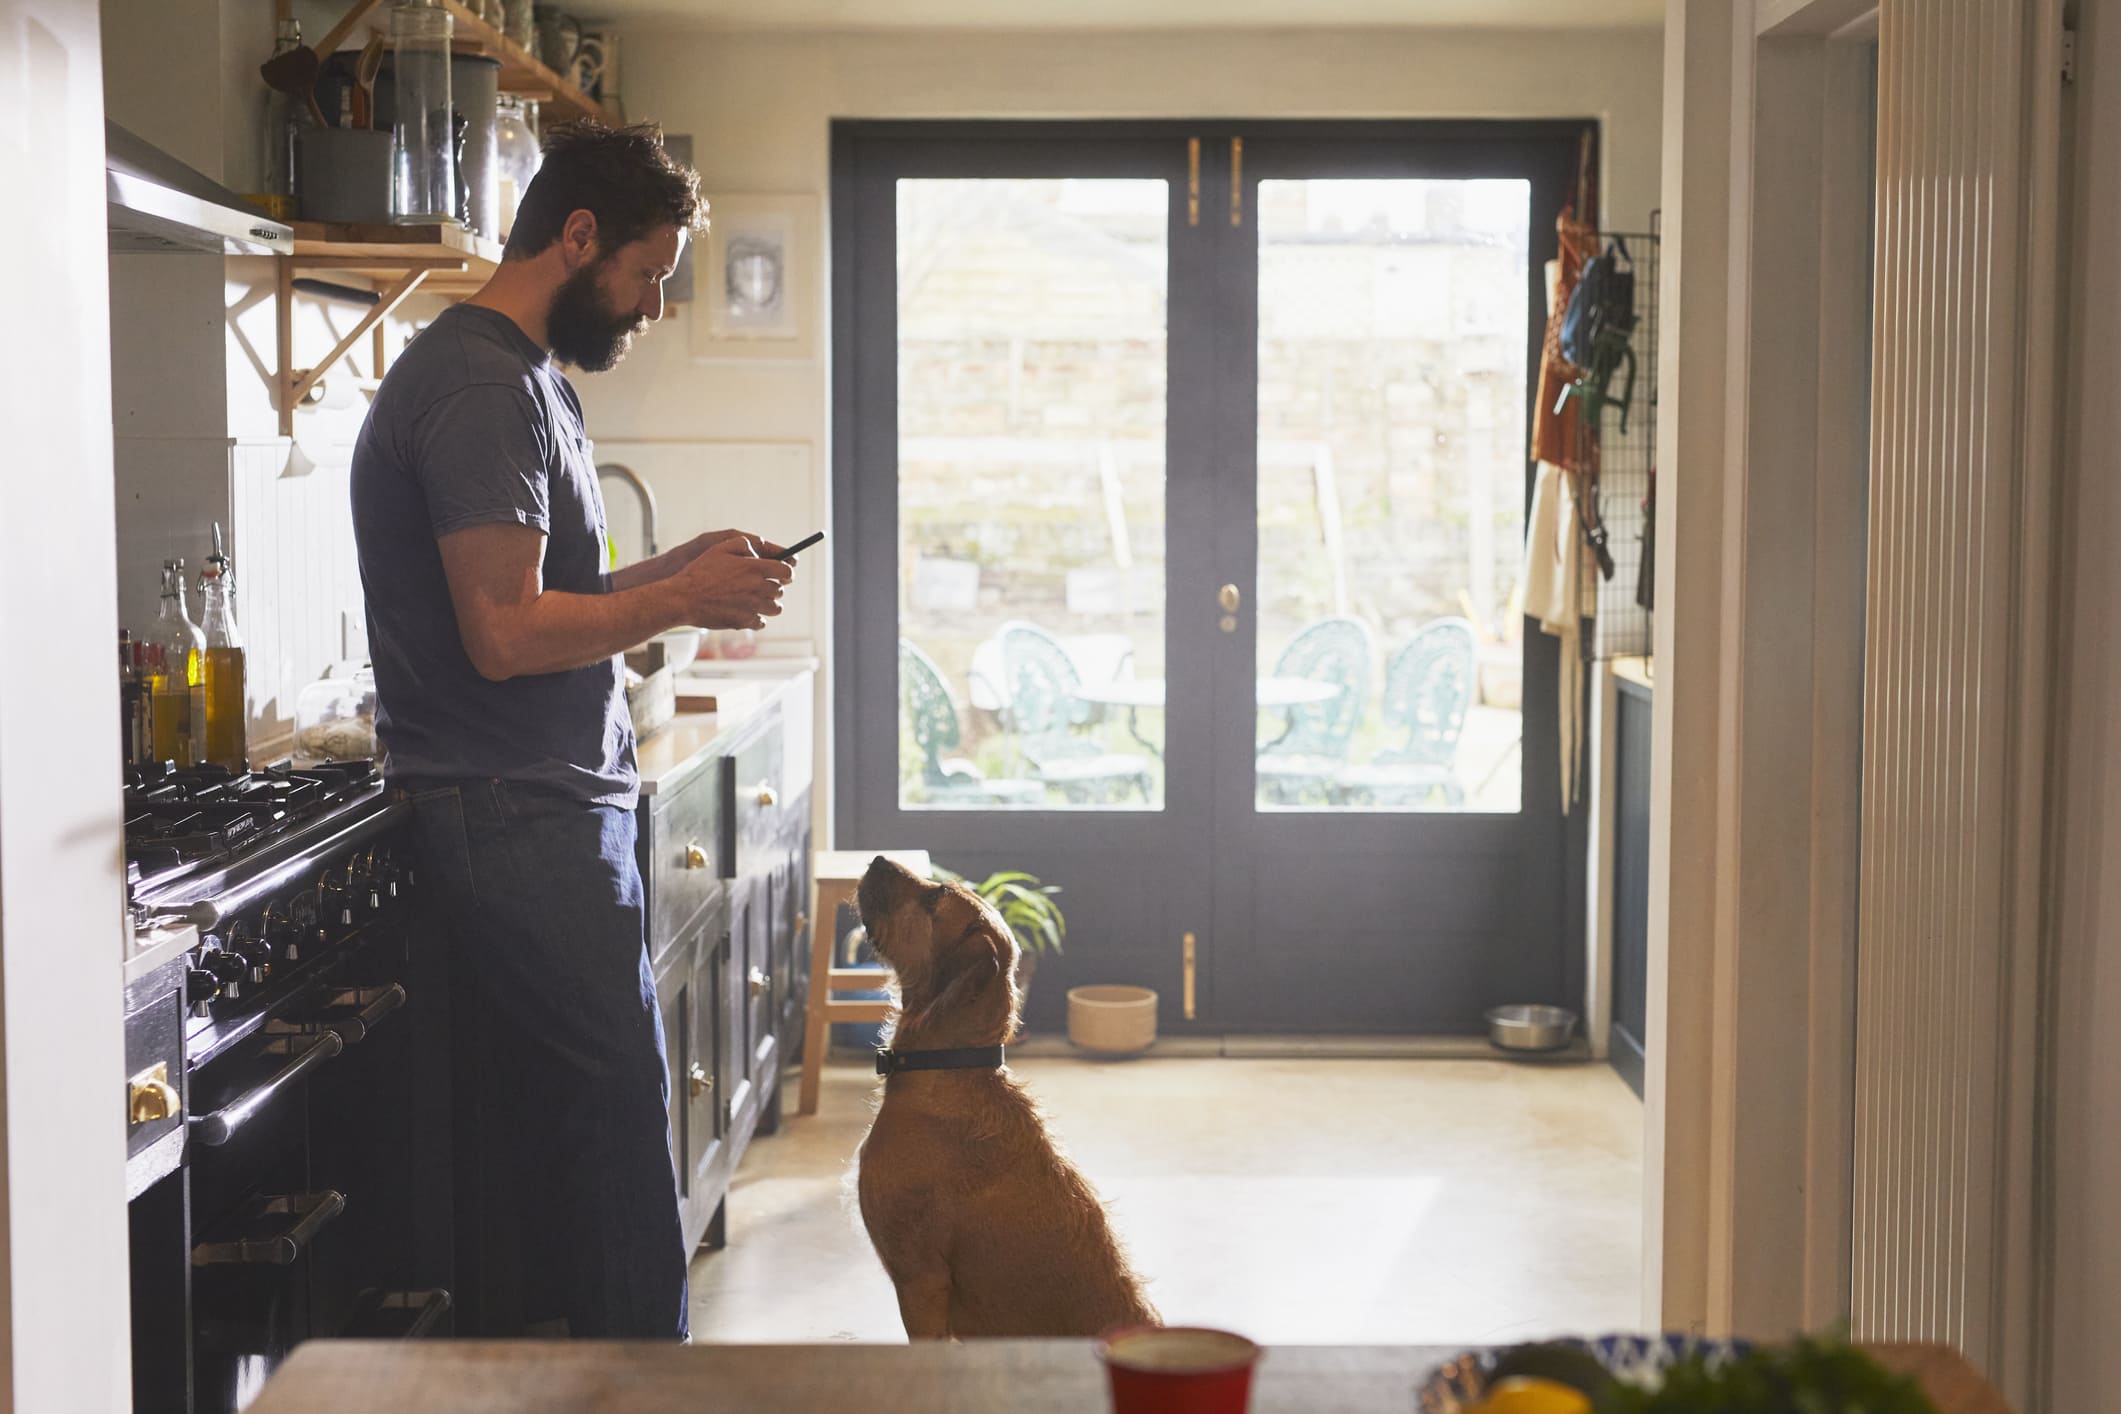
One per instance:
[(219, 1127), (310, 1211), (381, 1003)]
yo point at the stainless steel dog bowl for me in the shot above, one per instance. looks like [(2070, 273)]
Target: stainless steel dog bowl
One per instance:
[(1531, 1028)]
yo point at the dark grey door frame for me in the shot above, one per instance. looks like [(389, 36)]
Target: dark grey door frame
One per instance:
[(1140, 880)]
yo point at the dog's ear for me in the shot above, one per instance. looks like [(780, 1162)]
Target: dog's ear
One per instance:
[(961, 971)]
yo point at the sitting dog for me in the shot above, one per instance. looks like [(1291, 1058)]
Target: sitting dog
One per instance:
[(985, 1228)]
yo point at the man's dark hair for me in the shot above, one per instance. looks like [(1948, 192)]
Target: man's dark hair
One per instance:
[(622, 176)]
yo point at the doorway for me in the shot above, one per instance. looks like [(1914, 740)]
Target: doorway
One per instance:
[(1180, 482)]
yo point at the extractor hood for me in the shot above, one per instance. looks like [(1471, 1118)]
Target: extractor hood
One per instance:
[(158, 204)]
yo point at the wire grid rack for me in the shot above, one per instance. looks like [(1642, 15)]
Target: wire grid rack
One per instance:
[(1627, 470)]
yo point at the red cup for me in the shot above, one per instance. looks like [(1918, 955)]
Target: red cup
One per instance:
[(1179, 1370)]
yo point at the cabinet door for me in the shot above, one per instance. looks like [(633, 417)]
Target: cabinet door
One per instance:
[(762, 1017), (791, 954), (705, 1125), (746, 917), (673, 996)]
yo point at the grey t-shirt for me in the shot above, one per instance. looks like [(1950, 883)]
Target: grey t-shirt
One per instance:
[(475, 426)]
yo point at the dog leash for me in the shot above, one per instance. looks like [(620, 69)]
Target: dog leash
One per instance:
[(890, 1062)]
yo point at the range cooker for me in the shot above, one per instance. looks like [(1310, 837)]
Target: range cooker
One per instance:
[(287, 1084)]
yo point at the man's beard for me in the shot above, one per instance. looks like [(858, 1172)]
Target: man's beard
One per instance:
[(585, 334)]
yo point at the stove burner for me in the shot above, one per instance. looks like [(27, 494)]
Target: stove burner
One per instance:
[(175, 819)]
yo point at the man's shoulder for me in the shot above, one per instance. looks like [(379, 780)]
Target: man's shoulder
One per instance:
[(460, 350)]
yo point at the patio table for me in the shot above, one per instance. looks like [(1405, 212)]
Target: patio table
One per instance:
[(1276, 694)]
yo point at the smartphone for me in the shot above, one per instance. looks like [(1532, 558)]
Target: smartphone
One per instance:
[(799, 546)]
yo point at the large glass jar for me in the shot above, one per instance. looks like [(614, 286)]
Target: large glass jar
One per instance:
[(516, 156), (423, 142), (335, 716)]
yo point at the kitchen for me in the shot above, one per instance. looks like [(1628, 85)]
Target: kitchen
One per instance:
[(235, 392)]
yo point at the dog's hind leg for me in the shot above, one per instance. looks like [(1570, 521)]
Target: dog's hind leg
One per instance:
[(924, 1303)]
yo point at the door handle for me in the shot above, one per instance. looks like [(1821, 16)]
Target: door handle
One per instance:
[(702, 1082), (1229, 598)]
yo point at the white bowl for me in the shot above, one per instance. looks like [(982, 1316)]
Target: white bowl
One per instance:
[(1113, 1021), (680, 647)]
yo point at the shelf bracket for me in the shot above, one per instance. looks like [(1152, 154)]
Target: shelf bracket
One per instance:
[(295, 383)]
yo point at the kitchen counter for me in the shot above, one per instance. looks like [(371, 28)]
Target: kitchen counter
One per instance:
[(1024, 1377), (691, 739)]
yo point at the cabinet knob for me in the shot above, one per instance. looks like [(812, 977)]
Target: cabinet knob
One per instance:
[(695, 857), (151, 1097), (767, 795), (758, 982), (702, 1082)]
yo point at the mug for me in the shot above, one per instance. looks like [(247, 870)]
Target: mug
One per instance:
[(559, 38)]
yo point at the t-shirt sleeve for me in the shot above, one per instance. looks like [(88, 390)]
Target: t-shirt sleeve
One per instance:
[(481, 458)]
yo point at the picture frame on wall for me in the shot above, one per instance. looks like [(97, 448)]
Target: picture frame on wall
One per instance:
[(755, 282)]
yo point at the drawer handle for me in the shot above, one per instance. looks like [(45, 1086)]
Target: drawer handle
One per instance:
[(768, 797), (702, 1082), (695, 857), (151, 1098), (758, 982)]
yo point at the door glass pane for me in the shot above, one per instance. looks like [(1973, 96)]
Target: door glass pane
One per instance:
[(1031, 369), (1392, 370)]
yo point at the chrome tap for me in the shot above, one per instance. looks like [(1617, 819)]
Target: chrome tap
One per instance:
[(647, 498)]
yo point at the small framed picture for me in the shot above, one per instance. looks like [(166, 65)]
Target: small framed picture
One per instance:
[(756, 279)]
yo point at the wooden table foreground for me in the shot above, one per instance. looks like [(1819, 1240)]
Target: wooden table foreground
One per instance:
[(988, 1377)]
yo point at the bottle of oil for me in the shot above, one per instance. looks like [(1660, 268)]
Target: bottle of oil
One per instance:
[(176, 681), (226, 714)]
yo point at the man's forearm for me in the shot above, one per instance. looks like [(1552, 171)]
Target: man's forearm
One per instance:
[(557, 632), (645, 572)]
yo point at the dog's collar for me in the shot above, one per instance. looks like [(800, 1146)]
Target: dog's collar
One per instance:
[(890, 1062)]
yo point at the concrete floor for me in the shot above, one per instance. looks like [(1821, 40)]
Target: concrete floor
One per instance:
[(1298, 1201)]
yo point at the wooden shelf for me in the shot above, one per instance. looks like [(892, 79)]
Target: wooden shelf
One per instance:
[(387, 252)]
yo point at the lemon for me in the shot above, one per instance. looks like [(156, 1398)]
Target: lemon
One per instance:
[(1524, 1394)]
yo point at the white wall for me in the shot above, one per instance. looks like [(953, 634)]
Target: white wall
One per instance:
[(2086, 1084), (63, 1328)]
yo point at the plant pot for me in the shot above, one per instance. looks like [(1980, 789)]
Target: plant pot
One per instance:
[(1112, 1020)]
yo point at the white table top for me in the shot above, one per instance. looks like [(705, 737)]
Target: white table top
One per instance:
[(1149, 692)]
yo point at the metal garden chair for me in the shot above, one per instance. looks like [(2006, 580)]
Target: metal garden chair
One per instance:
[(1306, 760), (932, 713), (1041, 683), (1428, 691)]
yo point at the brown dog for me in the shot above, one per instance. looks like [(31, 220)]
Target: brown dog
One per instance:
[(984, 1226)]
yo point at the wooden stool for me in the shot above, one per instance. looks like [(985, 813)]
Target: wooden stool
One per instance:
[(835, 875)]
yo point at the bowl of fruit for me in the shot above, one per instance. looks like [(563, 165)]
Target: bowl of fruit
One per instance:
[(1669, 1374)]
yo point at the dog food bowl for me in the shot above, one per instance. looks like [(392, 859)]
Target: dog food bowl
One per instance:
[(1113, 1021), (1531, 1028)]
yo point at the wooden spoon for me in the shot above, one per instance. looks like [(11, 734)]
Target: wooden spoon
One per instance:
[(296, 71), (364, 95)]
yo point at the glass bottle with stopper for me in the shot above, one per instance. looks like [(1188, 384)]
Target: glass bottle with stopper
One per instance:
[(226, 714)]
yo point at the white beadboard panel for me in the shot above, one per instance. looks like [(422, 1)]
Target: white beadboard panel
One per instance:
[(768, 488), (296, 576), (1941, 1093)]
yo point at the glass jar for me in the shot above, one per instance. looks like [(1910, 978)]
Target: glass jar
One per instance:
[(516, 157), (423, 141), (335, 716)]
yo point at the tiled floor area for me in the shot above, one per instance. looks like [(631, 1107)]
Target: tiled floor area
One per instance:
[(1358, 1201)]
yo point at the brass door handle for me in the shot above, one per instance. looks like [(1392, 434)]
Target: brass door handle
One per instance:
[(151, 1097), (702, 1082), (1229, 599), (767, 796), (695, 857), (758, 980), (1190, 953)]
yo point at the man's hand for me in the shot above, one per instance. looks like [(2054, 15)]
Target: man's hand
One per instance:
[(731, 585), (760, 546)]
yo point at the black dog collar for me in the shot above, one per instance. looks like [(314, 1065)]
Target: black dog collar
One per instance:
[(964, 1058)]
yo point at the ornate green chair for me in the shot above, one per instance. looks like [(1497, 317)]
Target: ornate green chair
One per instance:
[(1429, 689), (932, 714), (1040, 681), (1302, 765)]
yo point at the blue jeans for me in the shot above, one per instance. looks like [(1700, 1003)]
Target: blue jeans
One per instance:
[(566, 1183)]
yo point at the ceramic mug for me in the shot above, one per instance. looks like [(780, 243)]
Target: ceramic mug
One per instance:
[(559, 38)]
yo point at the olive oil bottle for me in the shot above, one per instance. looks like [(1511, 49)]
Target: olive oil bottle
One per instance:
[(226, 713), (176, 681)]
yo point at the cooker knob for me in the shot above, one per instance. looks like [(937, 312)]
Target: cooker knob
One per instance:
[(200, 989), (227, 969), (255, 953)]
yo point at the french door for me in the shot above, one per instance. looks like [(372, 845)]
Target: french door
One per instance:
[(1180, 489)]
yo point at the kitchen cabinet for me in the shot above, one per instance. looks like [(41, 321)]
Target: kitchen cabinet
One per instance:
[(1631, 875), (725, 856)]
